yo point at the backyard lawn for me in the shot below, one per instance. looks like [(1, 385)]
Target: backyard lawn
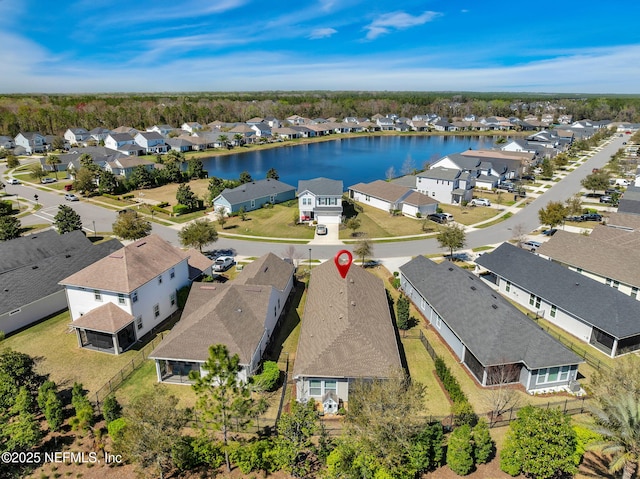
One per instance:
[(56, 344)]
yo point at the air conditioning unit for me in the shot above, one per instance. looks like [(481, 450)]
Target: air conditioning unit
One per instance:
[(574, 386)]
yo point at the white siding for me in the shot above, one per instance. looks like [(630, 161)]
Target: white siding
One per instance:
[(32, 312), (372, 201)]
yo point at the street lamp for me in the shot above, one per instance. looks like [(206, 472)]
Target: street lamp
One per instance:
[(94, 228), (309, 260)]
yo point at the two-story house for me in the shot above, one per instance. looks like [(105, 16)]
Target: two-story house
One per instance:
[(320, 199), (31, 141), (76, 135), (120, 298), (446, 185), (151, 141), (116, 141), (191, 126), (164, 130)]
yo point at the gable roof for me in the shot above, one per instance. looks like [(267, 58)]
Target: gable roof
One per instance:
[(383, 190), (346, 329), (38, 264), (630, 201), (589, 300), (490, 327), (439, 173), (233, 313), (605, 259), (127, 269), (321, 186), (255, 189)]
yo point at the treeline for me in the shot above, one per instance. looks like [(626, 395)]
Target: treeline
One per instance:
[(53, 114)]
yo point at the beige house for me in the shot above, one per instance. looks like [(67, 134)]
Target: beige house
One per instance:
[(347, 334)]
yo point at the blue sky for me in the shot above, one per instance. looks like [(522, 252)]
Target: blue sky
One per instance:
[(244, 45)]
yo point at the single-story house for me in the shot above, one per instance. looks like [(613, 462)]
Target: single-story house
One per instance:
[(241, 314), (254, 195), (114, 302), (31, 268), (320, 199), (347, 335), (389, 196), (125, 165), (484, 330), (591, 311), (614, 262)]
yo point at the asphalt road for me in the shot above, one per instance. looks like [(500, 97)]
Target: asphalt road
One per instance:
[(94, 216)]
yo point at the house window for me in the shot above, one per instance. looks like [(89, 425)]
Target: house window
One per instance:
[(538, 301), (97, 295), (272, 199), (616, 284), (438, 321), (367, 198), (134, 297), (542, 376), (553, 311), (564, 373), (253, 203), (275, 311), (532, 299), (120, 298), (306, 201), (172, 274), (433, 194), (608, 281), (156, 310), (634, 292), (139, 322), (330, 386), (278, 303), (173, 299), (315, 387), (579, 270), (507, 287), (160, 279), (423, 304)]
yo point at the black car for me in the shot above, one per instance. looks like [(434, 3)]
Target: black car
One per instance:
[(592, 217), (506, 186), (529, 177), (576, 219), (438, 217)]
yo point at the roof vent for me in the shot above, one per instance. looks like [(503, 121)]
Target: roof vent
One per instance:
[(450, 268), (239, 310), (34, 267), (494, 306), (577, 284), (341, 292), (473, 288), (141, 244), (353, 303), (265, 269), (351, 280), (67, 256)]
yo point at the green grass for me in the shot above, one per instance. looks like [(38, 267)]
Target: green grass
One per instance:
[(471, 215), (56, 344), (376, 223), (482, 248), (276, 222), (496, 221)]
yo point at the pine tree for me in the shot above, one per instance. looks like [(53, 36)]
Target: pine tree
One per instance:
[(460, 450), (482, 442)]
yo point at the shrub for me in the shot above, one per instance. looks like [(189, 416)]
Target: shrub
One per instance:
[(483, 447), (269, 378), (463, 413), (5, 208), (128, 196), (251, 456), (183, 455), (180, 209), (111, 409), (116, 429), (460, 451), (402, 307), (396, 283), (427, 448)]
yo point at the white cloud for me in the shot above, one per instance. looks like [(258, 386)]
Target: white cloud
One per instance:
[(322, 33), (397, 21)]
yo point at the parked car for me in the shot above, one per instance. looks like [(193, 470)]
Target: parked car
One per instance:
[(606, 199), (550, 232), (592, 217), (576, 219), (529, 177), (480, 202), (321, 229), (223, 263), (13, 181), (44, 181), (438, 218), (506, 186), (71, 197), (531, 245)]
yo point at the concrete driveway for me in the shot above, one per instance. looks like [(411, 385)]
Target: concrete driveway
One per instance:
[(332, 236)]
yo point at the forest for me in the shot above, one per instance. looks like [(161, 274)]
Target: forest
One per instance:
[(53, 113)]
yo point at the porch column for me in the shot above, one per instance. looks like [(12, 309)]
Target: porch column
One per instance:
[(614, 348), (159, 374), (78, 337), (116, 346)]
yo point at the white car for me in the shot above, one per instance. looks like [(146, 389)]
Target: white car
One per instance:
[(44, 181), (531, 245), (223, 263), (13, 181), (480, 202)]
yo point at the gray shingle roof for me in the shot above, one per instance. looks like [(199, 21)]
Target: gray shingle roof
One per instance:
[(448, 174), (592, 302), (255, 189), (346, 329), (487, 324), (321, 186), (37, 270)]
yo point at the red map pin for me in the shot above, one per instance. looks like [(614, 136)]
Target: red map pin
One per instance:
[(343, 260)]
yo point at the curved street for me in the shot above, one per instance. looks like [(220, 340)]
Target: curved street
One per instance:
[(97, 218)]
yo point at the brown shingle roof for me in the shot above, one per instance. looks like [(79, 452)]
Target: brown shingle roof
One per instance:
[(418, 199), (346, 328), (229, 314), (268, 269), (619, 263), (107, 318), (129, 268), (381, 189)]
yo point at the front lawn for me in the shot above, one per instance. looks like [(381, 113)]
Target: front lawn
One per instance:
[(469, 215), (376, 223), (275, 222)]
